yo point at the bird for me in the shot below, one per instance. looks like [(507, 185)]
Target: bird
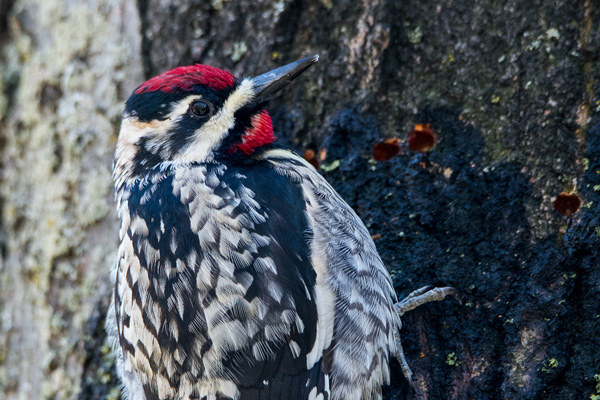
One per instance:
[(241, 273)]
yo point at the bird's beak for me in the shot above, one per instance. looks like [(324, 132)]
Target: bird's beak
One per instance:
[(269, 83)]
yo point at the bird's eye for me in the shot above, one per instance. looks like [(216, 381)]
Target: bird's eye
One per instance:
[(200, 109)]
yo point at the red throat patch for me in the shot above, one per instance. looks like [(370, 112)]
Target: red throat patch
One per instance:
[(185, 78), (259, 134)]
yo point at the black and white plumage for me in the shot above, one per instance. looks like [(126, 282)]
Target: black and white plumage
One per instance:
[(241, 273)]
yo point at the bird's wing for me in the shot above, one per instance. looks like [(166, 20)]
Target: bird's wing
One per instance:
[(354, 292)]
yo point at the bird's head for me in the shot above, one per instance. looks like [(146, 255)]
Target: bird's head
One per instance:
[(198, 114)]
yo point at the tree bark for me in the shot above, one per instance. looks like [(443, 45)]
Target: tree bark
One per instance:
[(510, 88)]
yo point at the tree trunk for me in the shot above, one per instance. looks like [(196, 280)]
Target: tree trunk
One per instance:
[(509, 87)]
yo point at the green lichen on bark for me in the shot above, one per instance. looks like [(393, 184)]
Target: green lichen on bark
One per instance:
[(72, 65)]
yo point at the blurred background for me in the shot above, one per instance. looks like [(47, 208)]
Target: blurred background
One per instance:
[(466, 135)]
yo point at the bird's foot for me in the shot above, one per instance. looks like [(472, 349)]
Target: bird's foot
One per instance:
[(424, 295), (413, 300)]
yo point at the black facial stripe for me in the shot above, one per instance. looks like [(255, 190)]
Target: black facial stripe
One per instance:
[(181, 135), (151, 106), (244, 114), (173, 141), (157, 105)]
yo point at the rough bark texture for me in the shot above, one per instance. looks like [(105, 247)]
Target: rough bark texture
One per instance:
[(510, 87)]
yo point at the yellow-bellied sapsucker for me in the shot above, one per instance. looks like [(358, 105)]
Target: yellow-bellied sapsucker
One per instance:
[(241, 273)]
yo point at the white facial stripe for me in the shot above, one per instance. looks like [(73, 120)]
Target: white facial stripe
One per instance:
[(181, 107), (211, 134), (133, 129)]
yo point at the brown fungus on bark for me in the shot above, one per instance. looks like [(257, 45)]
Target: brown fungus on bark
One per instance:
[(311, 157), (422, 138), (567, 203), (386, 150), (322, 154)]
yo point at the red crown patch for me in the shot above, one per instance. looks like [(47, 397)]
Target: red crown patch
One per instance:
[(185, 78)]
